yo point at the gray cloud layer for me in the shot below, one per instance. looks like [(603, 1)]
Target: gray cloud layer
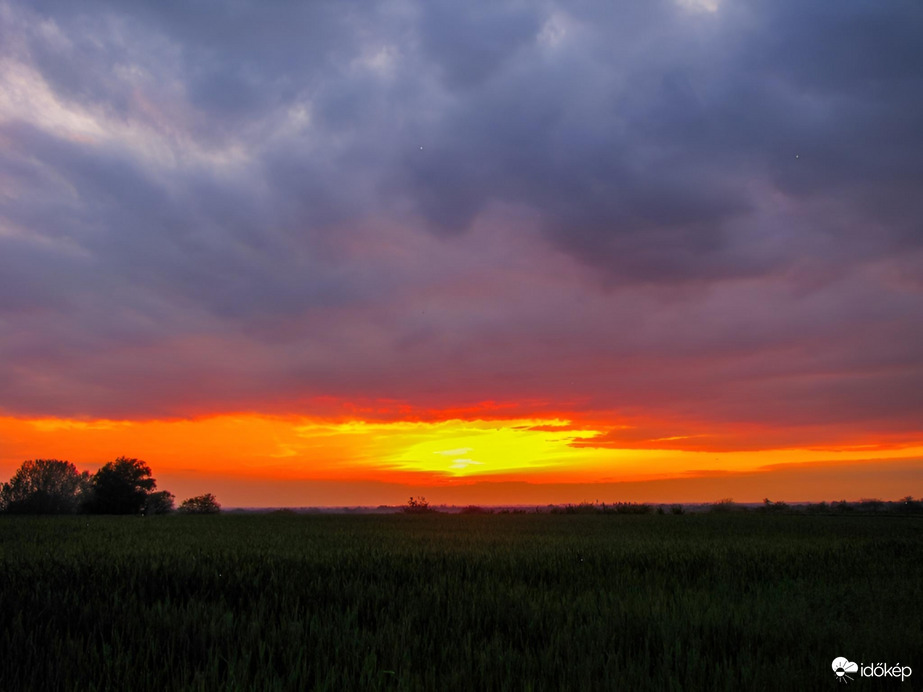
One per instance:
[(646, 205)]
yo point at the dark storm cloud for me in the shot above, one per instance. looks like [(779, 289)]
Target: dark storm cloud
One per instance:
[(470, 42), (638, 133), (642, 204), (645, 167)]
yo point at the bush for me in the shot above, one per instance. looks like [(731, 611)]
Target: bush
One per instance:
[(721, 506), (200, 504), (160, 502), (417, 505)]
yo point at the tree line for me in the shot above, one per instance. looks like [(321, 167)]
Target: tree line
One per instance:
[(123, 486)]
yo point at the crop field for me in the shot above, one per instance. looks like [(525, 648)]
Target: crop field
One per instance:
[(456, 602)]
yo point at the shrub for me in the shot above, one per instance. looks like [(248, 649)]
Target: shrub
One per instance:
[(725, 505), (417, 505), (200, 504), (160, 502)]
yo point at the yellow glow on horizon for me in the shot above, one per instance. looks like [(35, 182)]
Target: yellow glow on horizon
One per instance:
[(245, 449), (467, 448)]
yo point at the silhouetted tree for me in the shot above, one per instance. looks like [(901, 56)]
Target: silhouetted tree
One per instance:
[(45, 486), (417, 505), (121, 487), (200, 504), (160, 502)]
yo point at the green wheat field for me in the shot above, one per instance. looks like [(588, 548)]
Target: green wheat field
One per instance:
[(457, 602)]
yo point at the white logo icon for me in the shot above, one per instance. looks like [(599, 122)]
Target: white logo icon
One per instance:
[(842, 666)]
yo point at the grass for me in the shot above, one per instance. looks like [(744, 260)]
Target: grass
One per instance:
[(455, 602)]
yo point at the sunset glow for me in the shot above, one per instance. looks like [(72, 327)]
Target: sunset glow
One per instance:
[(436, 458)]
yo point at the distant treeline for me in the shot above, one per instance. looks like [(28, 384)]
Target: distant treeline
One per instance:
[(123, 486), (906, 505)]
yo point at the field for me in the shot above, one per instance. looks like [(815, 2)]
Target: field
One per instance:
[(456, 602)]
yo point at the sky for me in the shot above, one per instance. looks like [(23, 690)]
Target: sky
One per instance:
[(497, 252)]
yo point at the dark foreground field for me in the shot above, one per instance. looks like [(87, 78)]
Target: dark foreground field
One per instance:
[(455, 602)]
